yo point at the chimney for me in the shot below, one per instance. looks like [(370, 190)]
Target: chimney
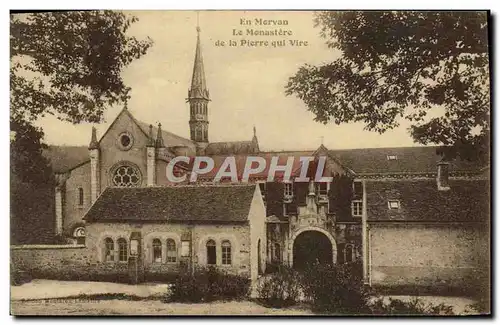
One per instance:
[(443, 176)]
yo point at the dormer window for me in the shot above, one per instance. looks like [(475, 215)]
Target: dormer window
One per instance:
[(288, 191), (392, 157), (393, 204)]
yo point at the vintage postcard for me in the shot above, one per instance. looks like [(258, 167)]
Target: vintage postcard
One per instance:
[(250, 163)]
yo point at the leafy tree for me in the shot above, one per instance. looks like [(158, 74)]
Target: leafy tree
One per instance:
[(430, 68), (65, 64)]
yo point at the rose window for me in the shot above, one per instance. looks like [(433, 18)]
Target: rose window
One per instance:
[(126, 176)]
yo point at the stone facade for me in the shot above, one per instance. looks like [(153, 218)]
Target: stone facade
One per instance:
[(449, 255)]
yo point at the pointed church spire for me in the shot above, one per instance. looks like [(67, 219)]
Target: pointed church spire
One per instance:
[(159, 138), (151, 140), (93, 141), (198, 81), (198, 98)]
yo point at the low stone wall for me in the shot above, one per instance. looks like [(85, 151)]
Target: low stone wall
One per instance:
[(64, 262)]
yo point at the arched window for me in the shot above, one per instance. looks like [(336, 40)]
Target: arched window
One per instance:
[(80, 196), (109, 250), (211, 253), (226, 253), (79, 234), (122, 250), (156, 250), (348, 253), (171, 251)]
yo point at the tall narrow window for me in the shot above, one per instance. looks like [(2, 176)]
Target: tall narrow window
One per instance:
[(171, 251), (109, 250), (80, 196), (156, 250), (288, 189), (211, 254), (226, 253), (348, 253), (122, 250)]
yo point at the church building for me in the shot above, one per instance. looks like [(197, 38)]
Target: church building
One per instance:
[(386, 207)]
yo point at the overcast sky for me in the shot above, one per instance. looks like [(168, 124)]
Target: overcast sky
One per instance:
[(246, 84)]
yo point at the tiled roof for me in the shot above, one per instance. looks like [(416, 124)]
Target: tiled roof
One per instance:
[(242, 158), (180, 203), (231, 148), (408, 160), (65, 158), (420, 200)]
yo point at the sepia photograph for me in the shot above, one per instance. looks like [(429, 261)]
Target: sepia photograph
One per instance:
[(243, 163)]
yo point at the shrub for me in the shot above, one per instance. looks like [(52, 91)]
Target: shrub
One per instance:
[(280, 289), (208, 284), (336, 288), (414, 306), (19, 275)]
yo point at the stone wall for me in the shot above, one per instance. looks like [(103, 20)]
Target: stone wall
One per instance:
[(448, 255), (73, 212), (111, 153), (87, 262), (237, 234)]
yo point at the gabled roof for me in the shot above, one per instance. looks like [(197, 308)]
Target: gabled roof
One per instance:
[(179, 203), (420, 200), (65, 158), (170, 139), (409, 160)]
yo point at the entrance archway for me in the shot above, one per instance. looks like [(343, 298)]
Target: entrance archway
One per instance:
[(312, 246)]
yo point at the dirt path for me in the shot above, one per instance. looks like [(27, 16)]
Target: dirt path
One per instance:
[(145, 307)]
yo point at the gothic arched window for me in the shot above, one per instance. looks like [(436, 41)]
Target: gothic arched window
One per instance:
[(156, 250), (109, 250), (80, 196), (349, 252), (211, 253), (126, 176)]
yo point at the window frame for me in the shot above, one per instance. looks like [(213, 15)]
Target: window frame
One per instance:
[(288, 189), (109, 250), (353, 204), (81, 197), (157, 244), (325, 191), (122, 244), (350, 247), (171, 255), (212, 245), (226, 253), (397, 202)]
